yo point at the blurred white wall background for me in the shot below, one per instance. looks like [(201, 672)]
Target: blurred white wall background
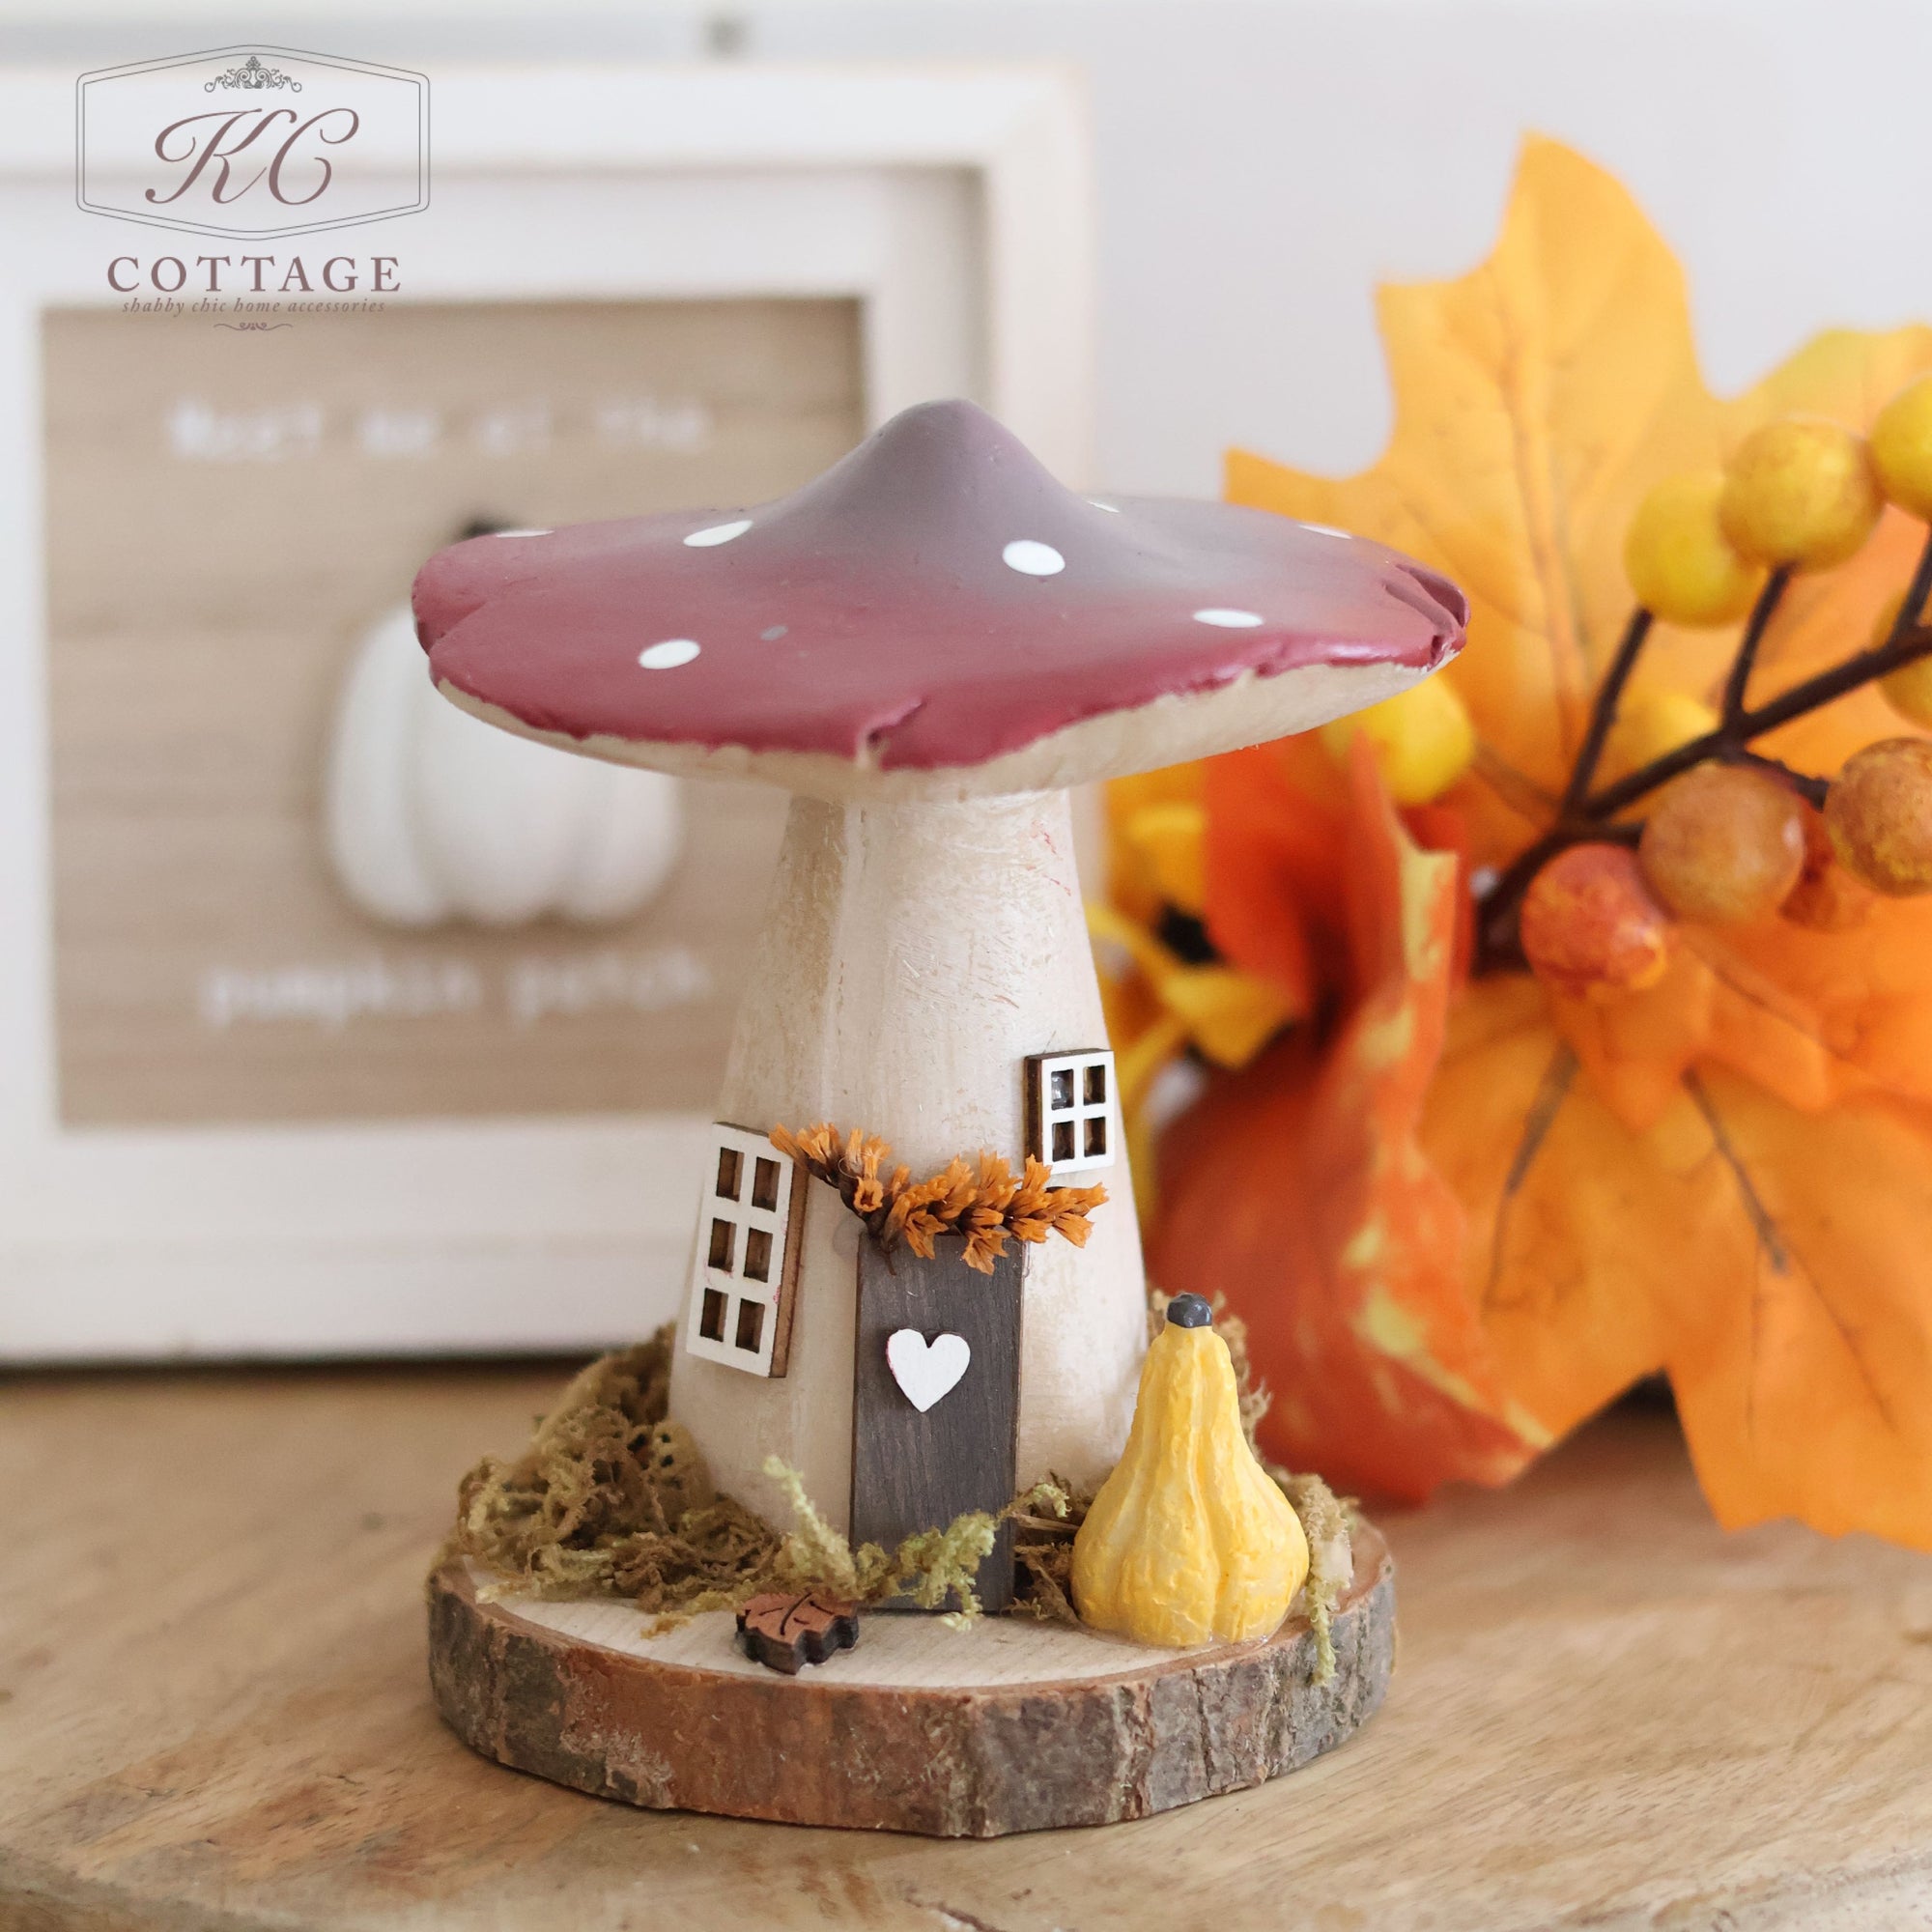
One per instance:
[(1261, 165)]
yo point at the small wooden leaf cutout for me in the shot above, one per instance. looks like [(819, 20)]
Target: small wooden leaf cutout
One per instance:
[(785, 1630), (926, 1370)]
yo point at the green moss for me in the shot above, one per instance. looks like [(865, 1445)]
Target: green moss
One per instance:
[(1045, 1522), (1325, 1521), (610, 1498), (931, 1569)]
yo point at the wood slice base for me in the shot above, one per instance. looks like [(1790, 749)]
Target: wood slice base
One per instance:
[(1008, 1725)]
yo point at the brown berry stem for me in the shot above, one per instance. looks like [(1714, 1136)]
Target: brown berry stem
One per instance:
[(1867, 668), (1510, 887), (1497, 946), (1768, 601), (1604, 713), (1811, 789), (1917, 591)]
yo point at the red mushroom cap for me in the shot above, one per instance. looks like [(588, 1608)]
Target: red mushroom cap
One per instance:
[(935, 614)]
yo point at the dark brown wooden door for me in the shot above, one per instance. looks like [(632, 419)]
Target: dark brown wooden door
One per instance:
[(914, 1470)]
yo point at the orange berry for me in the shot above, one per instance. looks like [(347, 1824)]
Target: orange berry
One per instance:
[(1878, 814), (1590, 927), (1723, 843)]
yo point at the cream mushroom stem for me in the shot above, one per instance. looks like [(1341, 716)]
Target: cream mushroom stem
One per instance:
[(915, 949), (912, 953)]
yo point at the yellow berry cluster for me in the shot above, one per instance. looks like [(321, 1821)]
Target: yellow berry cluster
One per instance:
[(1800, 493)]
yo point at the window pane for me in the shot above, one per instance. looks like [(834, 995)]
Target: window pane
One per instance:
[(1061, 1084), (1096, 1084), (758, 1255), (1063, 1140), (727, 1174), (1096, 1134), (765, 1186), (724, 1235), (750, 1325), (711, 1323)]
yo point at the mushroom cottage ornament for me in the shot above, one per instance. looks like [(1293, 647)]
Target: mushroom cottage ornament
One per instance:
[(926, 647)]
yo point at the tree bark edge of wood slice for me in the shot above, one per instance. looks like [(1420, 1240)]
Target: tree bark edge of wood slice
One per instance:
[(952, 1761)]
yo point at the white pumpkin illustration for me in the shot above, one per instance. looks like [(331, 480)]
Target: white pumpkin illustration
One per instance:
[(432, 815)]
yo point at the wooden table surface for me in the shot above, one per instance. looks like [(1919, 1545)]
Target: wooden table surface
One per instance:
[(213, 1712)]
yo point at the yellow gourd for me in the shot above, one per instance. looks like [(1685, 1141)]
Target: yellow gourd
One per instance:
[(1189, 1538)]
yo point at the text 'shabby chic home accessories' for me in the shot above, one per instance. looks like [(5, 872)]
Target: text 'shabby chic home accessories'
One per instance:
[(925, 647), (1588, 990)]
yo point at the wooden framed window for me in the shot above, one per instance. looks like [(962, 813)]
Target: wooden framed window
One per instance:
[(1072, 1122), (745, 1265)]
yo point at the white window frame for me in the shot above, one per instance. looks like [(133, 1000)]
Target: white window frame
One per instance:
[(1044, 1070), (733, 1228)]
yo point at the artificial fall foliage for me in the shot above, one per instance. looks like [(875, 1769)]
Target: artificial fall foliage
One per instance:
[(1460, 1213)]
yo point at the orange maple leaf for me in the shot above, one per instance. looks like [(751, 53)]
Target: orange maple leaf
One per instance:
[(1454, 1254), (1298, 1189)]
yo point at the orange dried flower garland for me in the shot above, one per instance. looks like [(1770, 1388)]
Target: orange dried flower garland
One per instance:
[(985, 1202)]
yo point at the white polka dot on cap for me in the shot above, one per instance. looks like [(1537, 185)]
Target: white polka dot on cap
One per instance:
[(670, 654), (716, 533), (1033, 559), (1229, 620)]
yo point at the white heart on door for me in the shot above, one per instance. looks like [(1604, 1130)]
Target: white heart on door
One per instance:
[(926, 1370)]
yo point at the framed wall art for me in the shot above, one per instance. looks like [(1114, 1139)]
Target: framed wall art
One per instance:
[(283, 1077)]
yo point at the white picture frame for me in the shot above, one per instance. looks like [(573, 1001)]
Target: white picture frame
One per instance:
[(955, 206)]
